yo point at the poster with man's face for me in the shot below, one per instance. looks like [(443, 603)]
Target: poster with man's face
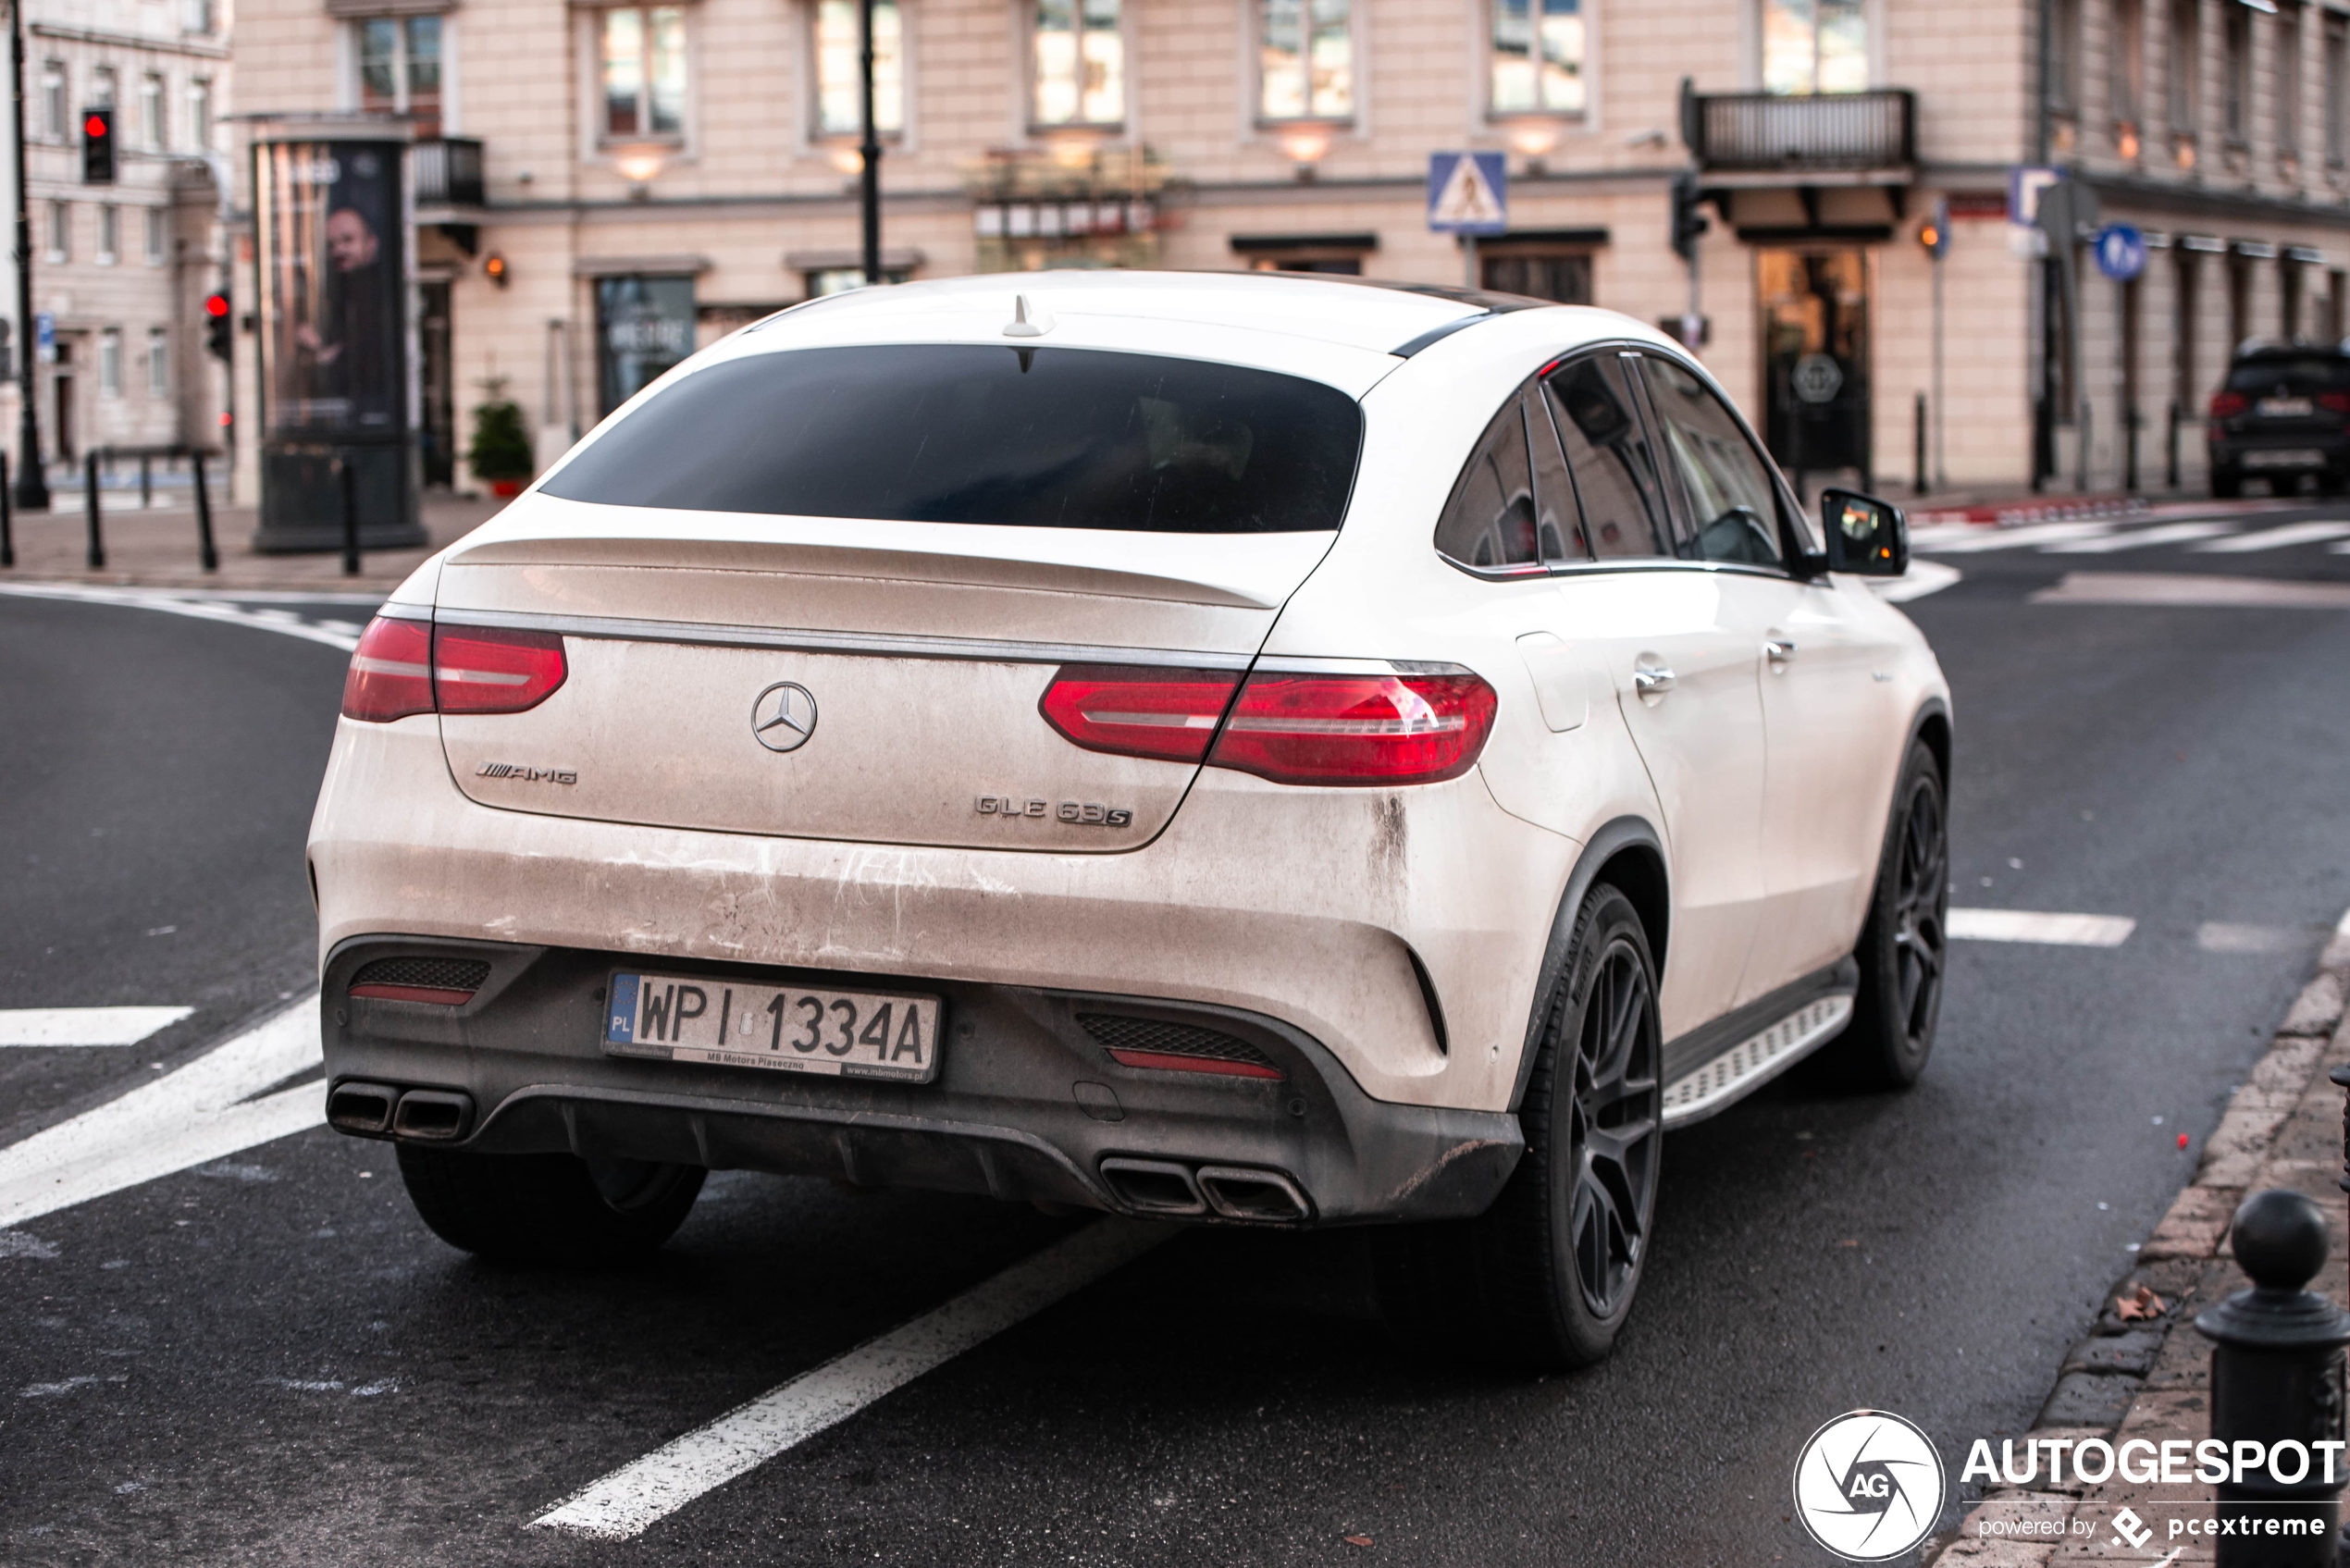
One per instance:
[(331, 288)]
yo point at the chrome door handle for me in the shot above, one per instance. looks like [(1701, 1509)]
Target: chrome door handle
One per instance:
[(1652, 680), (1779, 651)]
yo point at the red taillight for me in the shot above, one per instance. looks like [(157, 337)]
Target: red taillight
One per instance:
[(1356, 729), (440, 995), (486, 670), (400, 664), (391, 673), (2337, 402), (1136, 712), (2227, 405)]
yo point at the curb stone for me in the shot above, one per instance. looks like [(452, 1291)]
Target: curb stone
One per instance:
[(2282, 1128)]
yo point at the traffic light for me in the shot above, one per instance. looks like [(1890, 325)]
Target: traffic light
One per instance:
[(1689, 224), (97, 146), (1933, 231), (219, 327)]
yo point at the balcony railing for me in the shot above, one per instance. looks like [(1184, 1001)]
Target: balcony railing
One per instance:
[(1823, 132), (447, 171)]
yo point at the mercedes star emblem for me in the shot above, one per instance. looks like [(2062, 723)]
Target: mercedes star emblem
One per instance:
[(784, 717)]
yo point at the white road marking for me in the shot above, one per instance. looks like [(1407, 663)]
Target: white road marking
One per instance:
[(2227, 936), (2031, 925), (646, 1490), (190, 1117), (2168, 533), (84, 1026), (2193, 590), (1980, 538), (196, 605), (2276, 538), (1924, 577)]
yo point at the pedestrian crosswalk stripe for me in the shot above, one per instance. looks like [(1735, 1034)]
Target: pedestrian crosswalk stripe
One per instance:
[(2276, 538), (2142, 539), (2192, 588), (84, 1026)]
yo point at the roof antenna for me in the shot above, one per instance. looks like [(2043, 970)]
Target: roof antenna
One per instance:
[(1025, 323)]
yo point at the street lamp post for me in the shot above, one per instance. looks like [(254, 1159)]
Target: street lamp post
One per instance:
[(869, 190), (32, 485)]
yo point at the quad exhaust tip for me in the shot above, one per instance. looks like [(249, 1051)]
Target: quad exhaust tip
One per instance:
[(1177, 1191), (379, 1110)]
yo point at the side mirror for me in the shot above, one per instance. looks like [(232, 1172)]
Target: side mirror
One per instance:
[(1865, 536)]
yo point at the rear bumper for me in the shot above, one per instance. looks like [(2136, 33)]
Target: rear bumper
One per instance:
[(2282, 453), (1027, 1104)]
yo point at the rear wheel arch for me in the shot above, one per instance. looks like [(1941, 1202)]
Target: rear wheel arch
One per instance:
[(1629, 854), (1933, 726)]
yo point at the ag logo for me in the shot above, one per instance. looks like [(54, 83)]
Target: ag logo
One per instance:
[(1869, 1486)]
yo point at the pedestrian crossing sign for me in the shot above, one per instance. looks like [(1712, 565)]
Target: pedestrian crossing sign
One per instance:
[(1467, 193)]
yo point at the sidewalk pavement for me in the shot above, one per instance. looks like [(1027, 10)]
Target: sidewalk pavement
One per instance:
[(2131, 1379), (157, 548)]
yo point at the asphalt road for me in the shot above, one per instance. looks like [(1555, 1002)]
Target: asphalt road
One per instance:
[(267, 1359)]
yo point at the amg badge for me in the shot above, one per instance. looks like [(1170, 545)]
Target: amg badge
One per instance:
[(526, 775)]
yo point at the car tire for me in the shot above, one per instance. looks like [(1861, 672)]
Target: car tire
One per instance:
[(555, 1209), (1555, 1263), (1904, 942), (2226, 487)]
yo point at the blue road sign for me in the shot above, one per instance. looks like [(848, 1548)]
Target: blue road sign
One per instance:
[(1467, 193), (2121, 251), (44, 337)]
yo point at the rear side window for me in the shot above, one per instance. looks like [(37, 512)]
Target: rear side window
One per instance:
[(1512, 508), (1733, 505), (973, 433), (1606, 448), (2316, 373)]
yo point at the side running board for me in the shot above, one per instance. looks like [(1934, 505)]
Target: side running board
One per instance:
[(1754, 1061)]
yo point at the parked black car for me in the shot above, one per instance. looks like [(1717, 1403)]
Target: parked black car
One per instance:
[(2284, 413)]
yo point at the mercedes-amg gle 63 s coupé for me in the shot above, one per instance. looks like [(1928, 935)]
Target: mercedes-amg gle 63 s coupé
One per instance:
[(1258, 751)]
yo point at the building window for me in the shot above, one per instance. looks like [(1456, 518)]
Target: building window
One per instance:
[(60, 232), (109, 234), (110, 362), (399, 70), (2337, 84), (1815, 47), (158, 227), (152, 126), (1562, 275), (1079, 60), (2127, 79), (1537, 57), (158, 362), (2064, 57), (643, 71), (2288, 73), (52, 99), (102, 87), (2179, 69), (839, 89), (1305, 59), (195, 16), (2235, 70), (200, 114)]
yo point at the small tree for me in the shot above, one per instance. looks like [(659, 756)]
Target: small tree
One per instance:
[(501, 448)]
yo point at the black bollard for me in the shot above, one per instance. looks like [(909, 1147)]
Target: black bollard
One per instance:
[(97, 556), (349, 478), (7, 519), (2276, 1380), (206, 553)]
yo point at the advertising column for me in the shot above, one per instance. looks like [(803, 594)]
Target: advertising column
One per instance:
[(331, 288)]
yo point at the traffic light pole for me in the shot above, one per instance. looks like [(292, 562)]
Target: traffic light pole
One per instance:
[(32, 485), (869, 184)]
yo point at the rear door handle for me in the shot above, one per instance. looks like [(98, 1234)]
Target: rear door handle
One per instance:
[(1778, 649), (1653, 679)]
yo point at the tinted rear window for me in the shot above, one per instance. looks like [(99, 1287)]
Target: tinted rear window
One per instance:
[(2314, 373), (971, 433)]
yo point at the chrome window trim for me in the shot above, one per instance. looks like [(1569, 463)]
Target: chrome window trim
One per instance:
[(901, 645)]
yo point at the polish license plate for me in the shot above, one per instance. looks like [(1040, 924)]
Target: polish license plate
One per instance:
[(2285, 457), (2284, 408), (782, 1028)]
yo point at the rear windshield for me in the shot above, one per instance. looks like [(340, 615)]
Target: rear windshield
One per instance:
[(2314, 373), (973, 433)]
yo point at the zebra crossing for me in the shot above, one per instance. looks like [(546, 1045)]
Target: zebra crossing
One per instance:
[(2240, 535)]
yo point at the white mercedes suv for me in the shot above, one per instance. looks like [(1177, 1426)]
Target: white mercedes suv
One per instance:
[(1240, 748)]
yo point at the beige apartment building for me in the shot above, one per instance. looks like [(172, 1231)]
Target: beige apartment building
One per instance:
[(597, 188), (121, 268)]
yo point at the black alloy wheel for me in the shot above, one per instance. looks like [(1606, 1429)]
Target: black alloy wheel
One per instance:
[(1614, 1128), (1922, 911), (1904, 946)]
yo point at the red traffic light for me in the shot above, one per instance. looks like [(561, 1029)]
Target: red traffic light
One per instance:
[(95, 126), (215, 305)]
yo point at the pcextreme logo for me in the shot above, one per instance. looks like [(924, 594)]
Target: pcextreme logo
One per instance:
[(1869, 1486)]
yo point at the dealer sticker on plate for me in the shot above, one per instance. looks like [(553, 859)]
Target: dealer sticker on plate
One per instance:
[(784, 1028)]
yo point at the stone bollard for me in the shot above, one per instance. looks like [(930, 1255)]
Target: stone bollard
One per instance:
[(2276, 1379)]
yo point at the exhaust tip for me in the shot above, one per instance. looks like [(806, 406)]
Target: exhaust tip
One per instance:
[(1261, 1196), (433, 1116), (361, 1108), (1154, 1187)]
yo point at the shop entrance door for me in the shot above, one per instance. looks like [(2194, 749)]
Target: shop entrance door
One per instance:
[(436, 441), (1815, 349)]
